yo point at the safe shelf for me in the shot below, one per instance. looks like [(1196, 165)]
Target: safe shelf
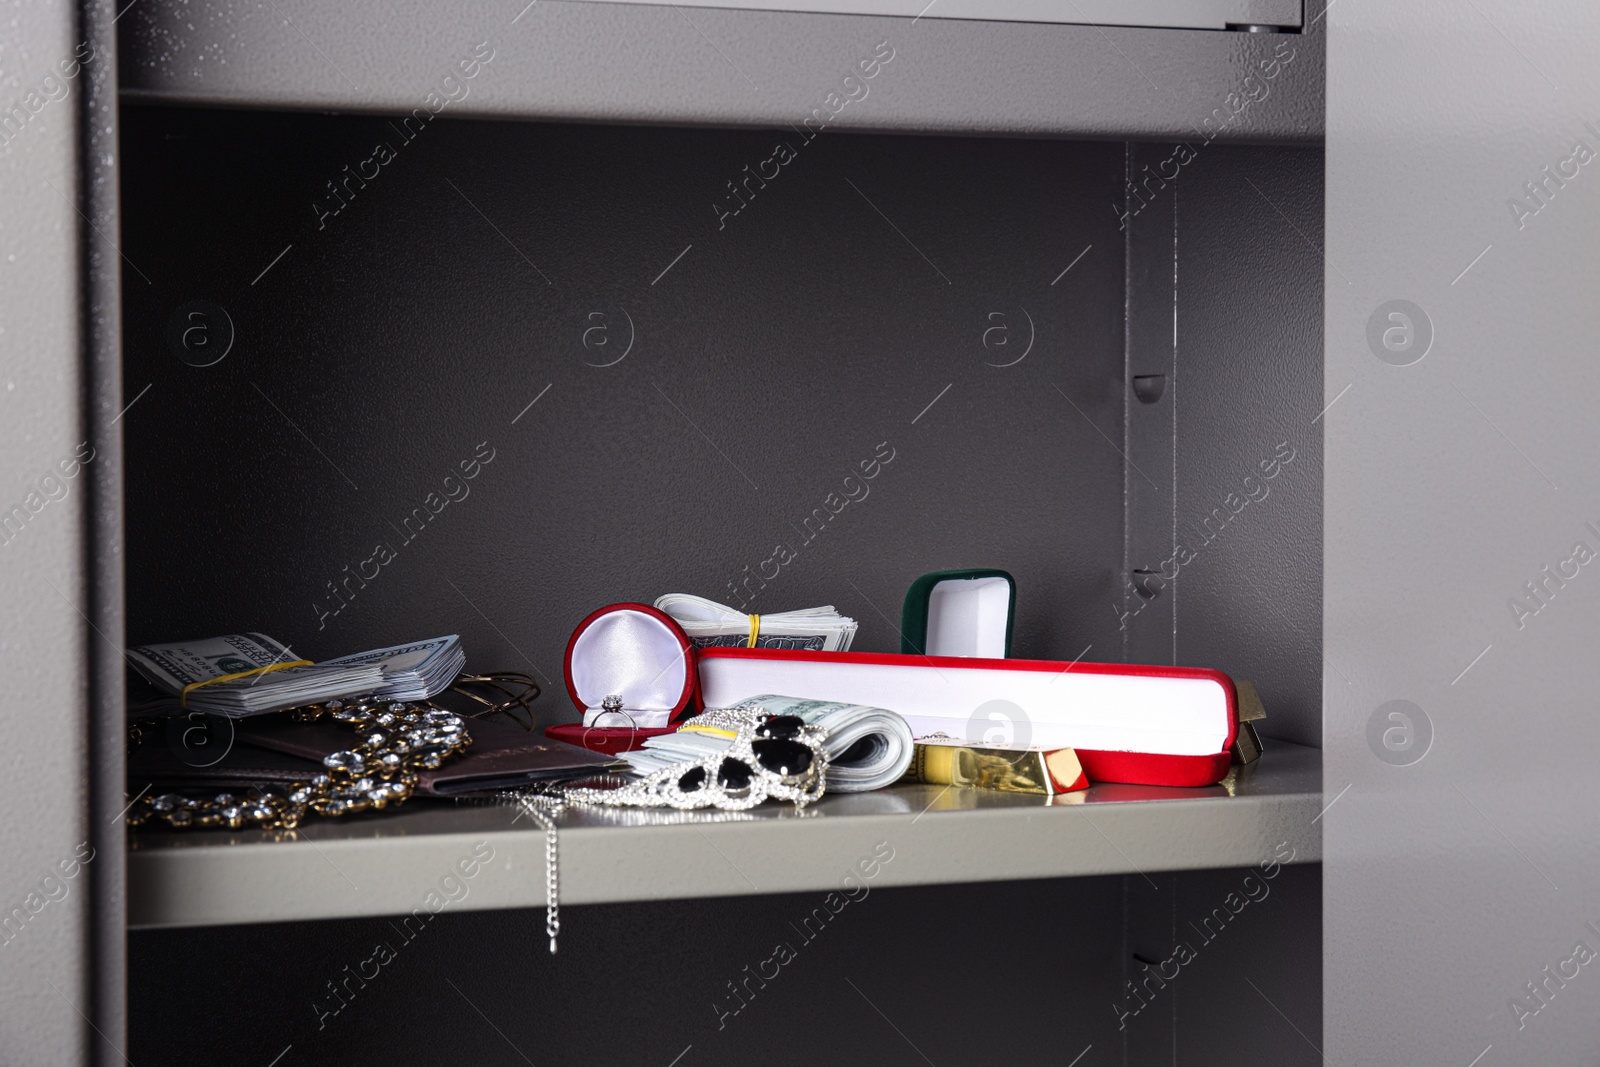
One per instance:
[(388, 864), (658, 63)]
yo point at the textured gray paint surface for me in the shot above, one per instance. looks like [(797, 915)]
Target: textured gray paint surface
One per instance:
[(1146, 605), (924, 957), (626, 63), (778, 353), (1224, 482), (1225, 963), (1249, 459), (1053, 999), (849, 973), (44, 971), (1225, 301), (777, 350), (1454, 881)]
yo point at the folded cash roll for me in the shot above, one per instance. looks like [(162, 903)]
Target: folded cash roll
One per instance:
[(713, 625), (868, 748)]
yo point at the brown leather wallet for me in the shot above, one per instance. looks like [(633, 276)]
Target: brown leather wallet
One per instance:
[(276, 749)]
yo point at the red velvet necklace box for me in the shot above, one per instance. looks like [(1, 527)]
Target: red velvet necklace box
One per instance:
[(638, 653), (1139, 725)]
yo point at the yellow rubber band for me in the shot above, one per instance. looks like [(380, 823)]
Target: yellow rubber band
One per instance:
[(755, 629), (715, 731), (183, 697)]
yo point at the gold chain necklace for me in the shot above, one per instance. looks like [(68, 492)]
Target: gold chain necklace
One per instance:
[(397, 740)]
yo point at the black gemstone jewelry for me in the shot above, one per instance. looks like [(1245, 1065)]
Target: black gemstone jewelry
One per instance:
[(784, 726), (780, 757), (734, 775)]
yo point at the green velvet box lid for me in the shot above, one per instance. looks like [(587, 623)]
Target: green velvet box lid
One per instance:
[(959, 613)]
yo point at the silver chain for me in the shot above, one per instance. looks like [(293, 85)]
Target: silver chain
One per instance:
[(676, 786), (546, 817)]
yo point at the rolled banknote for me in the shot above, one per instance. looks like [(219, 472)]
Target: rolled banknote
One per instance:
[(712, 625), (867, 747)]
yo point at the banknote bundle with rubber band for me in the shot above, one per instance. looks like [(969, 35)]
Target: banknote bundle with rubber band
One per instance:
[(252, 674)]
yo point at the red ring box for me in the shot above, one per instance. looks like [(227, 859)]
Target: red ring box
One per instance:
[(639, 653)]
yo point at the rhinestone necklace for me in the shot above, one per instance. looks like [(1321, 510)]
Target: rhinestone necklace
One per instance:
[(397, 740), (771, 757)]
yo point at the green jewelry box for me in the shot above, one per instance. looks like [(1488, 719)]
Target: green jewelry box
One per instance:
[(959, 613)]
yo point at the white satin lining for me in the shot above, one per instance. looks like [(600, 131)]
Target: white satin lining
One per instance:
[(636, 657), (967, 617)]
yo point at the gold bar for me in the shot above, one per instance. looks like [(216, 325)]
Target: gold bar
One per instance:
[(1004, 768), (1247, 746), (1250, 707)]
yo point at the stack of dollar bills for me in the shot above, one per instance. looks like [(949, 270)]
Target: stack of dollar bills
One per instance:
[(868, 748), (413, 671), (416, 671), (713, 625)]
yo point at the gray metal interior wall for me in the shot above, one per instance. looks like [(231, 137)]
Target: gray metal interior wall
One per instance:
[(1249, 461), (1222, 966), (775, 351), (1224, 306), (997, 971), (1225, 476), (896, 302)]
